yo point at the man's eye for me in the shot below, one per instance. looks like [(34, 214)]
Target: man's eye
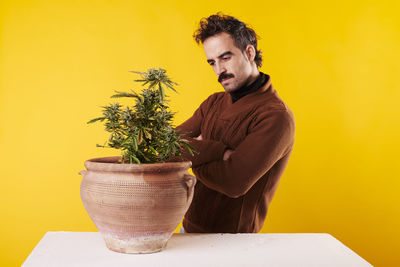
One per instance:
[(226, 58), (212, 63)]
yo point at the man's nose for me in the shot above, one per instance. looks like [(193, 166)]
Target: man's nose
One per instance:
[(219, 68)]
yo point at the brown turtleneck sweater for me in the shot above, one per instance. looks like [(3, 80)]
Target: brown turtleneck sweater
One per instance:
[(233, 196)]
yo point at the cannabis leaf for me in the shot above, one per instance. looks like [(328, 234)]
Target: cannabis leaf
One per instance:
[(144, 131)]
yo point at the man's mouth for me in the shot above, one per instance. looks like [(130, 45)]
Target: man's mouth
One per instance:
[(225, 79)]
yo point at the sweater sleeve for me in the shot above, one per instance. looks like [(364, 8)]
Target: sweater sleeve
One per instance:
[(206, 150), (268, 140)]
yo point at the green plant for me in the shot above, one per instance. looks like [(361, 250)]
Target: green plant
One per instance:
[(144, 132)]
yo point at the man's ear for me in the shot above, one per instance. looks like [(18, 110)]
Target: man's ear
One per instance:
[(250, 52)]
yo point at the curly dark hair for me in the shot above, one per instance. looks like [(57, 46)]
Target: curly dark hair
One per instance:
[(240, 32)]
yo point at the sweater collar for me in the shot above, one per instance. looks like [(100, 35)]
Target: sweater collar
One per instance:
[(254, 86)]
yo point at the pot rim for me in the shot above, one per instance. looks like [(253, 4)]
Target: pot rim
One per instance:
[(110, 164)]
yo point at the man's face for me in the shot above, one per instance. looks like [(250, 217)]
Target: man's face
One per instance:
[(229, 63)]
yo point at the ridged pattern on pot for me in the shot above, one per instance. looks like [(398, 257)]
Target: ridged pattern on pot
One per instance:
[(134, 205)]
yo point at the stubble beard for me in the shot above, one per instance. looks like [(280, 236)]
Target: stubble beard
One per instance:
[(231, 87)]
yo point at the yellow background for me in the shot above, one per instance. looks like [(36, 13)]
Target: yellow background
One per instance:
[(336, 66)]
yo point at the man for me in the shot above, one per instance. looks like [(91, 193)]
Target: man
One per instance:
[(244, 136)]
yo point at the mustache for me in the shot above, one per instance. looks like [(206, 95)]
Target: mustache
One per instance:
[(223, 76)]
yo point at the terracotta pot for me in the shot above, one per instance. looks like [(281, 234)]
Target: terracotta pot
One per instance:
[(136, 207)]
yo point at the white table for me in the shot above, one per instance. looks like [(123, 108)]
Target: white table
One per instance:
[(88, 249)]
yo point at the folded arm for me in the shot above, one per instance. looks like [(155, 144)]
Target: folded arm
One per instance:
[(270, 137), (207, 150)]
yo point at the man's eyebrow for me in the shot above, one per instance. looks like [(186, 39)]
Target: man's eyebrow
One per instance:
[(220, 56)]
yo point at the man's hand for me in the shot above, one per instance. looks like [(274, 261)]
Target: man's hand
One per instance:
[(198, 137), (228, 153)]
